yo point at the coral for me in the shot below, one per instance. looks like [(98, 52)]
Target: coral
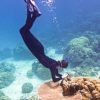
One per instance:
[(34, 65), (88, 87), (30, 74), (4, 98), (5, 66), (21, 52), (42, 72), (78, 41), (6, 78), (1, 93), (30, 96), (86, 68), (53, 91), (27, 87)]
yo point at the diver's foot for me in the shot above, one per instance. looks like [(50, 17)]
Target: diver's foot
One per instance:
[(33, 8)]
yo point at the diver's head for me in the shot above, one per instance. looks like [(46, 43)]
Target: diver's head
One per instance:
[(61, 64)]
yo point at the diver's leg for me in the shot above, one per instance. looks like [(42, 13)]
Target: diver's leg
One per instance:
[(29, 22), (31, 42)]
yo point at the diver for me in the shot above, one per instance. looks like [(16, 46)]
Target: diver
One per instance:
[(36, 47)]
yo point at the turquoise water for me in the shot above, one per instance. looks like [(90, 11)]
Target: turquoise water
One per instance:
[(65, 28)]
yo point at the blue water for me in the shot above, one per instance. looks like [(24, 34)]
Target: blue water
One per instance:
[(69, 13), (60, 22)]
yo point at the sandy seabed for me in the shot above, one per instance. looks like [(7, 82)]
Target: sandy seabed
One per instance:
[(14, 91)]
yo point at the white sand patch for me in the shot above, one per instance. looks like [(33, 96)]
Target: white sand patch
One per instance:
[(14, 91)]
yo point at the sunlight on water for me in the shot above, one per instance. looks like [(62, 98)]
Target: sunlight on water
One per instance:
[(51, 8)]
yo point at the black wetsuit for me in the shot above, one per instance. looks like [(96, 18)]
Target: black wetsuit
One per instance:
[(37, 48)]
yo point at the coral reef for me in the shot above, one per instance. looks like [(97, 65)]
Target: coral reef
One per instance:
[(5, 66), (77, 49), (81, 48), (86, 68), (30, 96), (42, 72), (88, 87), (6, 78), (27, 87), (21, 52), (6, 74)]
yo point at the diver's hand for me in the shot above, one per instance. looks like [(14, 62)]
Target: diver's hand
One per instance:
[(64, 76)]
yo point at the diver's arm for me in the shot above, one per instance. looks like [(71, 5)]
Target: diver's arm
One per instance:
[(57, 74), (53, 73)]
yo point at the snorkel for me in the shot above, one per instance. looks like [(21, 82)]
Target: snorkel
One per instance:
[(67, 58)]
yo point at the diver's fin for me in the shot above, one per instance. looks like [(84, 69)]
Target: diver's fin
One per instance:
[(33, 8)]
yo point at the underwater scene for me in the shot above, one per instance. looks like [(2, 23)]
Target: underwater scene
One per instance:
[(69, 30)]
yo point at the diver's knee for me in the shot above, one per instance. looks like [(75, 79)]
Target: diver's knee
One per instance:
[(21, 31)]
